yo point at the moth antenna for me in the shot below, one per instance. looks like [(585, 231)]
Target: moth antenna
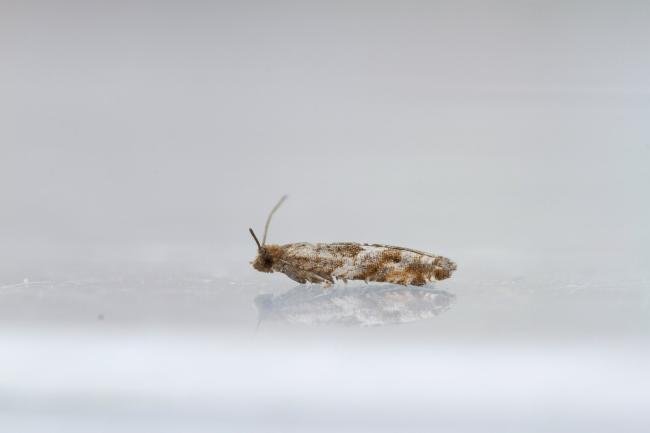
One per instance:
[(268, 220), (255, 237)]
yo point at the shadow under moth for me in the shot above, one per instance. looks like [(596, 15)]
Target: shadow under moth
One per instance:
[(323, 263)]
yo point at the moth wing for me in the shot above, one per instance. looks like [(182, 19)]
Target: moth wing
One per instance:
[(402, 249), (344, 243), (384, 246)]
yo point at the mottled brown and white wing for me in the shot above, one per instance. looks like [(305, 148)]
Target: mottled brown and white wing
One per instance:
[(325, 263)]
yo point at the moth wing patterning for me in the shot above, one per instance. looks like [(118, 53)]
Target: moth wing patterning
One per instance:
[(355, 261)]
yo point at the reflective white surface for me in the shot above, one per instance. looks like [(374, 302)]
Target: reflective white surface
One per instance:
[(159, 351)]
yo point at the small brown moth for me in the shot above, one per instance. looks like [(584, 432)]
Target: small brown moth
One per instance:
[(325, 263)]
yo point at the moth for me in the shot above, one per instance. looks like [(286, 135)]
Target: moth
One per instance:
[(323, 263)]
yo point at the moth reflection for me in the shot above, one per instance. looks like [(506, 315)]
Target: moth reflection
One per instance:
[(368, 305)]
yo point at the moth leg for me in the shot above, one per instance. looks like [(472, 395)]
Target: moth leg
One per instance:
[(302, 275), (315, 278), (292, 273), (295, 277)]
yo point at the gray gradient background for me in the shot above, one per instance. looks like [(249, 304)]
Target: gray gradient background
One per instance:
[(447, 125), (139, 141)]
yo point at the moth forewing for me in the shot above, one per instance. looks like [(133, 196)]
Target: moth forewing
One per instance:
[(325, 263)]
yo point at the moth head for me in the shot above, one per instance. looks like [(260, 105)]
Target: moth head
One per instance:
[(265, 254), (264, 260)]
